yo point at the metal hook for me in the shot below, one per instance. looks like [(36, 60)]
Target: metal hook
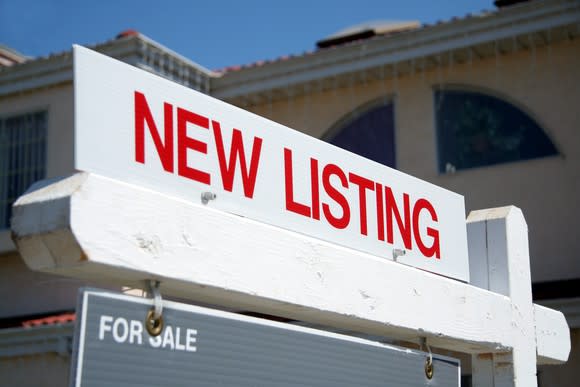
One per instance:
[(429, 369), (154, 319)]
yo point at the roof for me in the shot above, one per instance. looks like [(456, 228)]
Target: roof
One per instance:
[(453, 41), (53, 334), (380, 27), (59, 319), (10, 57), (397, 27), (129, 46), (382, 30), (388, 52)]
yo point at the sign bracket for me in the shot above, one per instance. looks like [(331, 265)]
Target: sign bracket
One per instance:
[(154, 320)]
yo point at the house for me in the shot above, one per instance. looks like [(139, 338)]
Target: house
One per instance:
[(484, 105)]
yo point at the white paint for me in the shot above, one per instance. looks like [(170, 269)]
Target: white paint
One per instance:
[(548, 342), (135, 332), (155, 341), (104, 326), (124, 331), (105, 122), (178, 346), (82, 329), (190, 340), (570, 307), (498, 246), (120, 330), (168, 339), (175, 338), (95, 227)]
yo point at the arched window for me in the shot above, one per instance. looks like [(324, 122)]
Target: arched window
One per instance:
[(475, 130), (368, 131)]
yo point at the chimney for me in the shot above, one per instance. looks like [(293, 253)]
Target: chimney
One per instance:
[(507, 3)]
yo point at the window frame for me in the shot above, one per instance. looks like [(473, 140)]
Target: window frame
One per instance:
[(41, 161), (469, 89), (354, 114)]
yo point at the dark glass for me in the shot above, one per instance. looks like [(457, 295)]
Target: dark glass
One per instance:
[(475, 130), (22, 158), (370, 134)]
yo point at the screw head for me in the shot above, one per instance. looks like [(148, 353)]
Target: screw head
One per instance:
[(207, 196)]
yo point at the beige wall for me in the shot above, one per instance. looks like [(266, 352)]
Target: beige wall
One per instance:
[(544, 82), (58, 101), (25, 292), (31, 292)]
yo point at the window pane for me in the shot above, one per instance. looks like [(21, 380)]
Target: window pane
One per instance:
[(370, 134), (22, 158), (475, 130)]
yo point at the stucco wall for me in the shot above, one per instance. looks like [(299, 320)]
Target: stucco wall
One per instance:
[(58, 101), (544, 82), (25, 292)]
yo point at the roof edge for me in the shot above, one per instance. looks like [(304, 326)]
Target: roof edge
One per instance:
[(135, 49), (387, 50)]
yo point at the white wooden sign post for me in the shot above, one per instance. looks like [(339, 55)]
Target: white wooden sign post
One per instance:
[(122, 229), (134, 126)]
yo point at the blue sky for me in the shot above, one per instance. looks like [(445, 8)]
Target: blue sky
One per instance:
[(214, 34)]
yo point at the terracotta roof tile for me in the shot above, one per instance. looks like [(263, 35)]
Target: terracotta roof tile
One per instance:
[(259, 63), (127, 33), (50, 320)]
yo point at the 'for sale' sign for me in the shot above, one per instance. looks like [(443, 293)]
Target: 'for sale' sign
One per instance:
[(204, 347), (136, 127)]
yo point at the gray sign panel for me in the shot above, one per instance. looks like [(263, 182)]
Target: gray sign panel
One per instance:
[(205, 347)]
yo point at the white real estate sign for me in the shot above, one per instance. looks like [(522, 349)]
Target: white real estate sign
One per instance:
[(139, 128), (205, 347)]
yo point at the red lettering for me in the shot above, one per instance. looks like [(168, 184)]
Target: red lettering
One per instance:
[(143, 115), (291, 205), (363, 185), (433, 250), (393, 210), (237, 152), (315, 189), (408, 220), (327, 172), (184, 143), (380, 213)]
